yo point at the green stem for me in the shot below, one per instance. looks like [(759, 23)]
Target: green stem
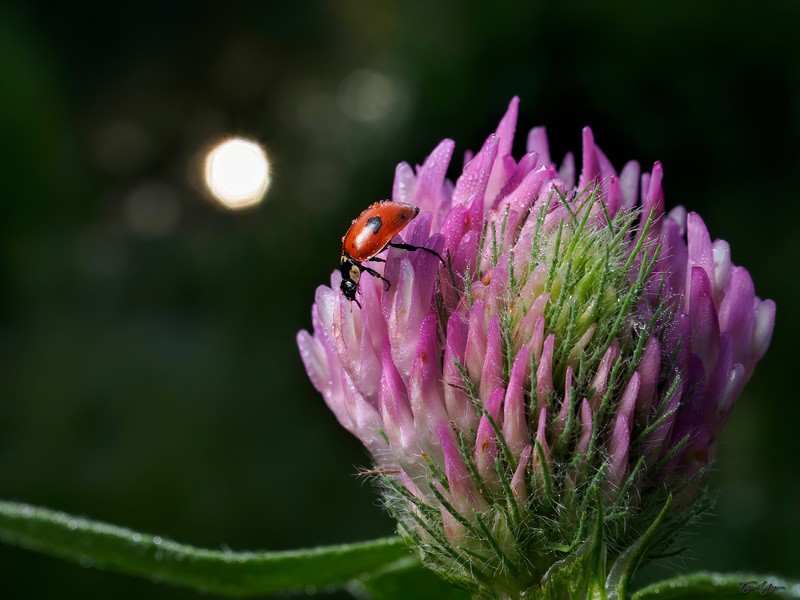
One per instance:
[(237, 573)]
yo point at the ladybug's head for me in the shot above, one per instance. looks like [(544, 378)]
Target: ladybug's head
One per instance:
[(349, 288), (350, 277)]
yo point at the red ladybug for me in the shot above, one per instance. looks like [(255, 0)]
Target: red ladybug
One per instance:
[(370, 234)]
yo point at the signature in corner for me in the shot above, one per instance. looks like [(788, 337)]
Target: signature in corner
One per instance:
[(764, 588)]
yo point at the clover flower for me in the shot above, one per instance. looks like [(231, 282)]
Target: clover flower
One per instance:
[(543, 409)]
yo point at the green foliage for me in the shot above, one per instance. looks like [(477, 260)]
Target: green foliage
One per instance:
[(376, 570), (718, 586), (236, 573), (405, 579)]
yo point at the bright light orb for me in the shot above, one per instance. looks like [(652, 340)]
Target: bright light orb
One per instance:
[(237, 173)]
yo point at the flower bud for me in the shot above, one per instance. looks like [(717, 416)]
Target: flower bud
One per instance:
[(550, 398)]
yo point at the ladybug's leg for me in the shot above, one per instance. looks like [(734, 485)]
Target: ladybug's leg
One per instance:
[(374, 273), (411, 248), (376, 259)]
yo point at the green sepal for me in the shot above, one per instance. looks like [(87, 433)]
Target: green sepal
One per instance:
[(629, 560), (580, 575), (119, 549)]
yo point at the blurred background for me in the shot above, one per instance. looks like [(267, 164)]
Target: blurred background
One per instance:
[(148, 370)]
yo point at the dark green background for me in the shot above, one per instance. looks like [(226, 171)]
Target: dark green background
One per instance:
[(153, 380)]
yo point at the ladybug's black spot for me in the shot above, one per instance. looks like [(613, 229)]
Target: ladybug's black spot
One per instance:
[(374, 225)]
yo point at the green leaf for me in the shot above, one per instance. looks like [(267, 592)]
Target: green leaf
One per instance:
[(405, 579), (238, 573), (718, 586)]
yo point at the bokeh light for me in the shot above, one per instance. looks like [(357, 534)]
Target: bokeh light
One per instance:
[(152, 210), (370, 96), (237, 173)]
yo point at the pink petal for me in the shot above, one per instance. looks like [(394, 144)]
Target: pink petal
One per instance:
[(515, 425), (462, 492), (475, 178), (519, 486), (405, 184), (492, 373), (619, 448), (425, 387), (486, 438), (544, 373), (703, 316), (537, 142), (429, 194), (476, 342)]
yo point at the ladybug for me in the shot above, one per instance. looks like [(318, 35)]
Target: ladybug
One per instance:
[(370, 234)]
